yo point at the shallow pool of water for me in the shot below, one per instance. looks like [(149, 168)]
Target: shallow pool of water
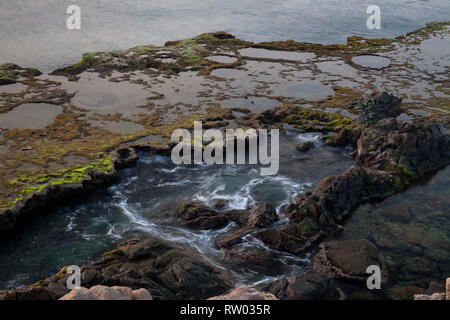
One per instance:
[(412, 230), (30, 116), (144, 201), (369, 61)]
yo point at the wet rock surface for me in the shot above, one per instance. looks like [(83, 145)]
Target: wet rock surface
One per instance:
[(166, 271), (391, 154), (349, 259), (308, 285)]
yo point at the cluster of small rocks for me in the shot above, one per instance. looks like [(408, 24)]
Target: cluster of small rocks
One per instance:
[(436, 296)]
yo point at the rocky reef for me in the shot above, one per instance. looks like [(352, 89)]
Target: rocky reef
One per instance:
[(396, 143)]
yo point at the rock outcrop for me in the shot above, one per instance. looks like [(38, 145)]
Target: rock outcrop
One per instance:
[(391, 155), (349, 259), (437, 295), (308, 285), (107, 293), (246, 293), (197, 215), (165, 270)]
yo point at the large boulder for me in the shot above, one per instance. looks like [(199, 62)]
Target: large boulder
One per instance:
[(167, 271), (255, 259), (246, 293), (198, 215)]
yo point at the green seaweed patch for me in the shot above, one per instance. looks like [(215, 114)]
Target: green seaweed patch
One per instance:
[(32, 184), (431, 28)]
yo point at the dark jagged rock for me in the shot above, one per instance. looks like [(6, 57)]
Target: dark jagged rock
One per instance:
[(232, 238), (167, 271), (11, 73), (261, 215), (308, 285), (198, 215), (258, 216), (334, 198), (304, 146), (377, 106), (391, 154), (411, 149), (220, 204), (249, 220), (283, 241), (255, 259), (349, 259)]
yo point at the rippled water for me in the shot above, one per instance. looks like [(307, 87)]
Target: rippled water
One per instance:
[(144, 202), (34, 33)]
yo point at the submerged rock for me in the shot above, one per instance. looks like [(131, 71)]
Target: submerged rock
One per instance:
[(304, 146), (308, 285)]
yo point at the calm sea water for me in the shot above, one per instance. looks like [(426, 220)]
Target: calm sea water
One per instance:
[(34, 33)]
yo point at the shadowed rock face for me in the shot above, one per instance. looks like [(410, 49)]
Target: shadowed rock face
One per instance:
[(349, 259), (197, 215), (308, 285), (166, 271), (391, 154)]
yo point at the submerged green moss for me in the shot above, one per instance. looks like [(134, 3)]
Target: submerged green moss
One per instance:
[(33, 183)]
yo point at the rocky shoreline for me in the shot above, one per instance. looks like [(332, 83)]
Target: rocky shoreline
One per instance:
[(391, 155), (154, 264)]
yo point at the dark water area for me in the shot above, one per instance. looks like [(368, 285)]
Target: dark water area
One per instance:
[(143, 204), (34, 33), (412, 231)]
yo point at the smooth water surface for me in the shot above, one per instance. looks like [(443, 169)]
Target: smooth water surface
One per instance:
[(34, 33)]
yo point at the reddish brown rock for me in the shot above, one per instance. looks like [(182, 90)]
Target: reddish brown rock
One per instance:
[(79, 294), (246, 293)]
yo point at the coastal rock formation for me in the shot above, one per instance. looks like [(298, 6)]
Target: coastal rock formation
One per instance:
[(107, 293), (198, 215), (391, 154), (245, 293), (84, 180), (10, 73), (254, 258), (308, 285), (166, 271), (349, 259), (304, 146)]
